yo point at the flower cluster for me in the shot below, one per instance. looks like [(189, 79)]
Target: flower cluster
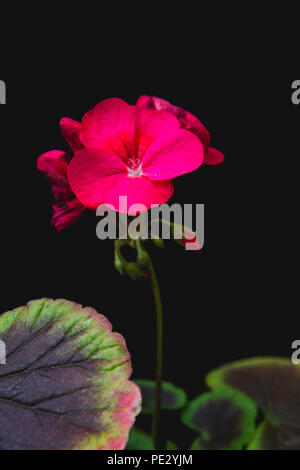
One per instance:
[(120, 150)]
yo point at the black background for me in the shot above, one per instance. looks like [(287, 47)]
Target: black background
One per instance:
[(236, 299)]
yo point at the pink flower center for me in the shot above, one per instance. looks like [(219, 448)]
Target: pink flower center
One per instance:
[(134, 167)]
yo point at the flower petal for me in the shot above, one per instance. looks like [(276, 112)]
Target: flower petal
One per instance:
[(190, 241), (172, 155), (91, 171), (54, 165), (150, 125), (187, 120), (66, 212), (70, 130), (110, 125), (213, 157), (139, 190), (67, 208)]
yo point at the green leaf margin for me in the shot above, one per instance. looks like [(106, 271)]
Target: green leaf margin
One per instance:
[(168, 387)]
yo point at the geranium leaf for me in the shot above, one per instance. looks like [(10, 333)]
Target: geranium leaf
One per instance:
[(225, 419), (173, 398), (274, 383), (65, 382), (170, 445), (139, 440)]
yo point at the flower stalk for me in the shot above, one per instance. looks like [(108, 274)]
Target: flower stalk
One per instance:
[(145, 260), (142, 269), (159, 353)]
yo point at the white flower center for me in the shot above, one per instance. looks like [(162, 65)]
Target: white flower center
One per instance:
[(134, 167)]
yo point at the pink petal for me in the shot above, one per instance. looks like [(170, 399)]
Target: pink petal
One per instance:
[(110, 126), (139, 190), (67, 209), (98, 178), (70, 130), (187, 120), (172, 155), (190, 240), (54, 165), (150, 125), (91, 171), (146, 102), (213, 157), (65, 213)]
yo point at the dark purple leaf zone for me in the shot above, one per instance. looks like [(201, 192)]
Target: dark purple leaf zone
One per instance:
[(225, 419), (214, 415), (173, 398), (270, 437), (65, 382), (274, 384)]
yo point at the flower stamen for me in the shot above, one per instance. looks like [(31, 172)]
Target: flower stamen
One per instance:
[(134, 167)]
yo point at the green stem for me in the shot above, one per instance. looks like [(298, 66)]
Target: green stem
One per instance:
[(136, 270), (159, 352)]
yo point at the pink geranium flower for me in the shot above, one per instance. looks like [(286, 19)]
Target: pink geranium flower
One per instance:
[(130, 152), (119, 150), (67, 207), (54, 164), (187, 121)]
